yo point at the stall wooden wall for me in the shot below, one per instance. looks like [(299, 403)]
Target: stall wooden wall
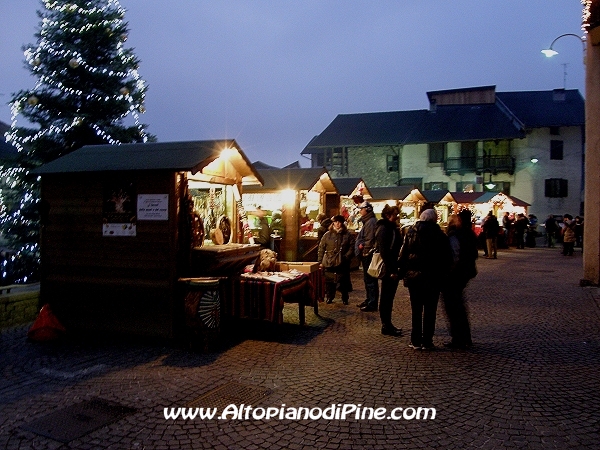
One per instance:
[(108, 285)]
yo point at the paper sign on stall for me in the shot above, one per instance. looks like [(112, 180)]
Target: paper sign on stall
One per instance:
[(153, 207)]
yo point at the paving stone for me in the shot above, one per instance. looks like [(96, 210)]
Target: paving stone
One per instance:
[(528, 382)]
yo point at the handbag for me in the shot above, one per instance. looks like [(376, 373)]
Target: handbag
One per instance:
[(332, 259), (377, 267)]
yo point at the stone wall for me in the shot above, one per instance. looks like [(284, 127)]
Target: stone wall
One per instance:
[(370, 164), (18, 307)]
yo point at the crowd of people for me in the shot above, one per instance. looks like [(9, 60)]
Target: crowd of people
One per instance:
[(431, 263), (522, 231)]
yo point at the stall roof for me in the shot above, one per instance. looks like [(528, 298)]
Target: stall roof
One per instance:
[(219, 161), (390, 192), (299, 179), (465, 197), (498, 196), (347, 186), (434, 196)]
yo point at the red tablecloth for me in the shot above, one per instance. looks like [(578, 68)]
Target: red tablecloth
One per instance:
[(256, 296)]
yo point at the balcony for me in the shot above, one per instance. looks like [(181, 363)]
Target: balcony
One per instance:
[(493, 164)]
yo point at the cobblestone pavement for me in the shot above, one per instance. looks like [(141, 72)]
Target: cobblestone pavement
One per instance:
[(531, 380)]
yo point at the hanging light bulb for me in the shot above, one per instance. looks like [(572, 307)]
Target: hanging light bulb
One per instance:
[(74, 63), (32, 100)]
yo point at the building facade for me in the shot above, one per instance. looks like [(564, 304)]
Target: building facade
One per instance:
[(526, 144)]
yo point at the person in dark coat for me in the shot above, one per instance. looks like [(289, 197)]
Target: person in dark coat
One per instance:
[(520, 227), (389, 242), (335, 253), (363, 248), (551, 229), (425, 261), (463, 242), (491, 228)]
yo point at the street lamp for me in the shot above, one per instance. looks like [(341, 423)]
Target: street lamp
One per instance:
[(550, 52)]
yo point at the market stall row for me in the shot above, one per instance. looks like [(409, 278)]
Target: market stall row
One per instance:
[(125, 226)]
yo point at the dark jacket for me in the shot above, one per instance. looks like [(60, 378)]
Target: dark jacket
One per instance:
[(464, 267), (334, 242), (389, 242), (490, 227), (366, 235), (521, 225), (425, 255)]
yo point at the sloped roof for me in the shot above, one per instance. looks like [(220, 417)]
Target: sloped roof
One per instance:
[(445, 123), (557, 108), (264, 165), (465, 197), (346, 186), (487, 196), (302, 179), (434, 196), (390, 192), (205, 158)]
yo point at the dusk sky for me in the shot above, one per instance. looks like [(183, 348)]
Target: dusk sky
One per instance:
[(273, 74)]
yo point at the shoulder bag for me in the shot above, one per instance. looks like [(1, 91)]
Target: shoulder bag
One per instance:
[(377, 267), (331, 259)]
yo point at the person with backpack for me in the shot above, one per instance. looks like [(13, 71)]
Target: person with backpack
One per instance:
[(425, 260)]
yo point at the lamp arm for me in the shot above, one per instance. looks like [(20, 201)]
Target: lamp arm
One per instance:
[(569, 34)]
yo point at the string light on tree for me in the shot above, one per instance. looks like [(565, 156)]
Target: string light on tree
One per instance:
[(87, 91)]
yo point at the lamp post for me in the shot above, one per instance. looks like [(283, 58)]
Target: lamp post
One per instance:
[(550, 52)]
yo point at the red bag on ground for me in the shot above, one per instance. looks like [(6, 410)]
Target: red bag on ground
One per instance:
[(46, 327)]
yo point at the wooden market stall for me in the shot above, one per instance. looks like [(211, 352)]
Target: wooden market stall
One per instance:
[(292, 199), (462, 200), (437, 199), (351, 190), (393, 195), (499, 203), (122, 224)]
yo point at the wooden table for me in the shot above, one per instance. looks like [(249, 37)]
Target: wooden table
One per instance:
[(262, 295)]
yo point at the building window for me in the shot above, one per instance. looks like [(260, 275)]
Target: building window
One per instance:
[(556, 149), (318, 159), (468, 154), (414, 182), (465, 186), (556, 187), (496, 148), (555, 131), (435, 186), (497, 186), (437, 152), (334, 159), (392, 163)]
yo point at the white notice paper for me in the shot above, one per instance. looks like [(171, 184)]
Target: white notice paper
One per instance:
[(153, 207)]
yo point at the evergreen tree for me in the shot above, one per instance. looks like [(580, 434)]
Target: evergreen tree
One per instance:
[(87, 87)]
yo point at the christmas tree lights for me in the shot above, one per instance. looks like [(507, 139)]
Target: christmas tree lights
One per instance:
[(87, 86)]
